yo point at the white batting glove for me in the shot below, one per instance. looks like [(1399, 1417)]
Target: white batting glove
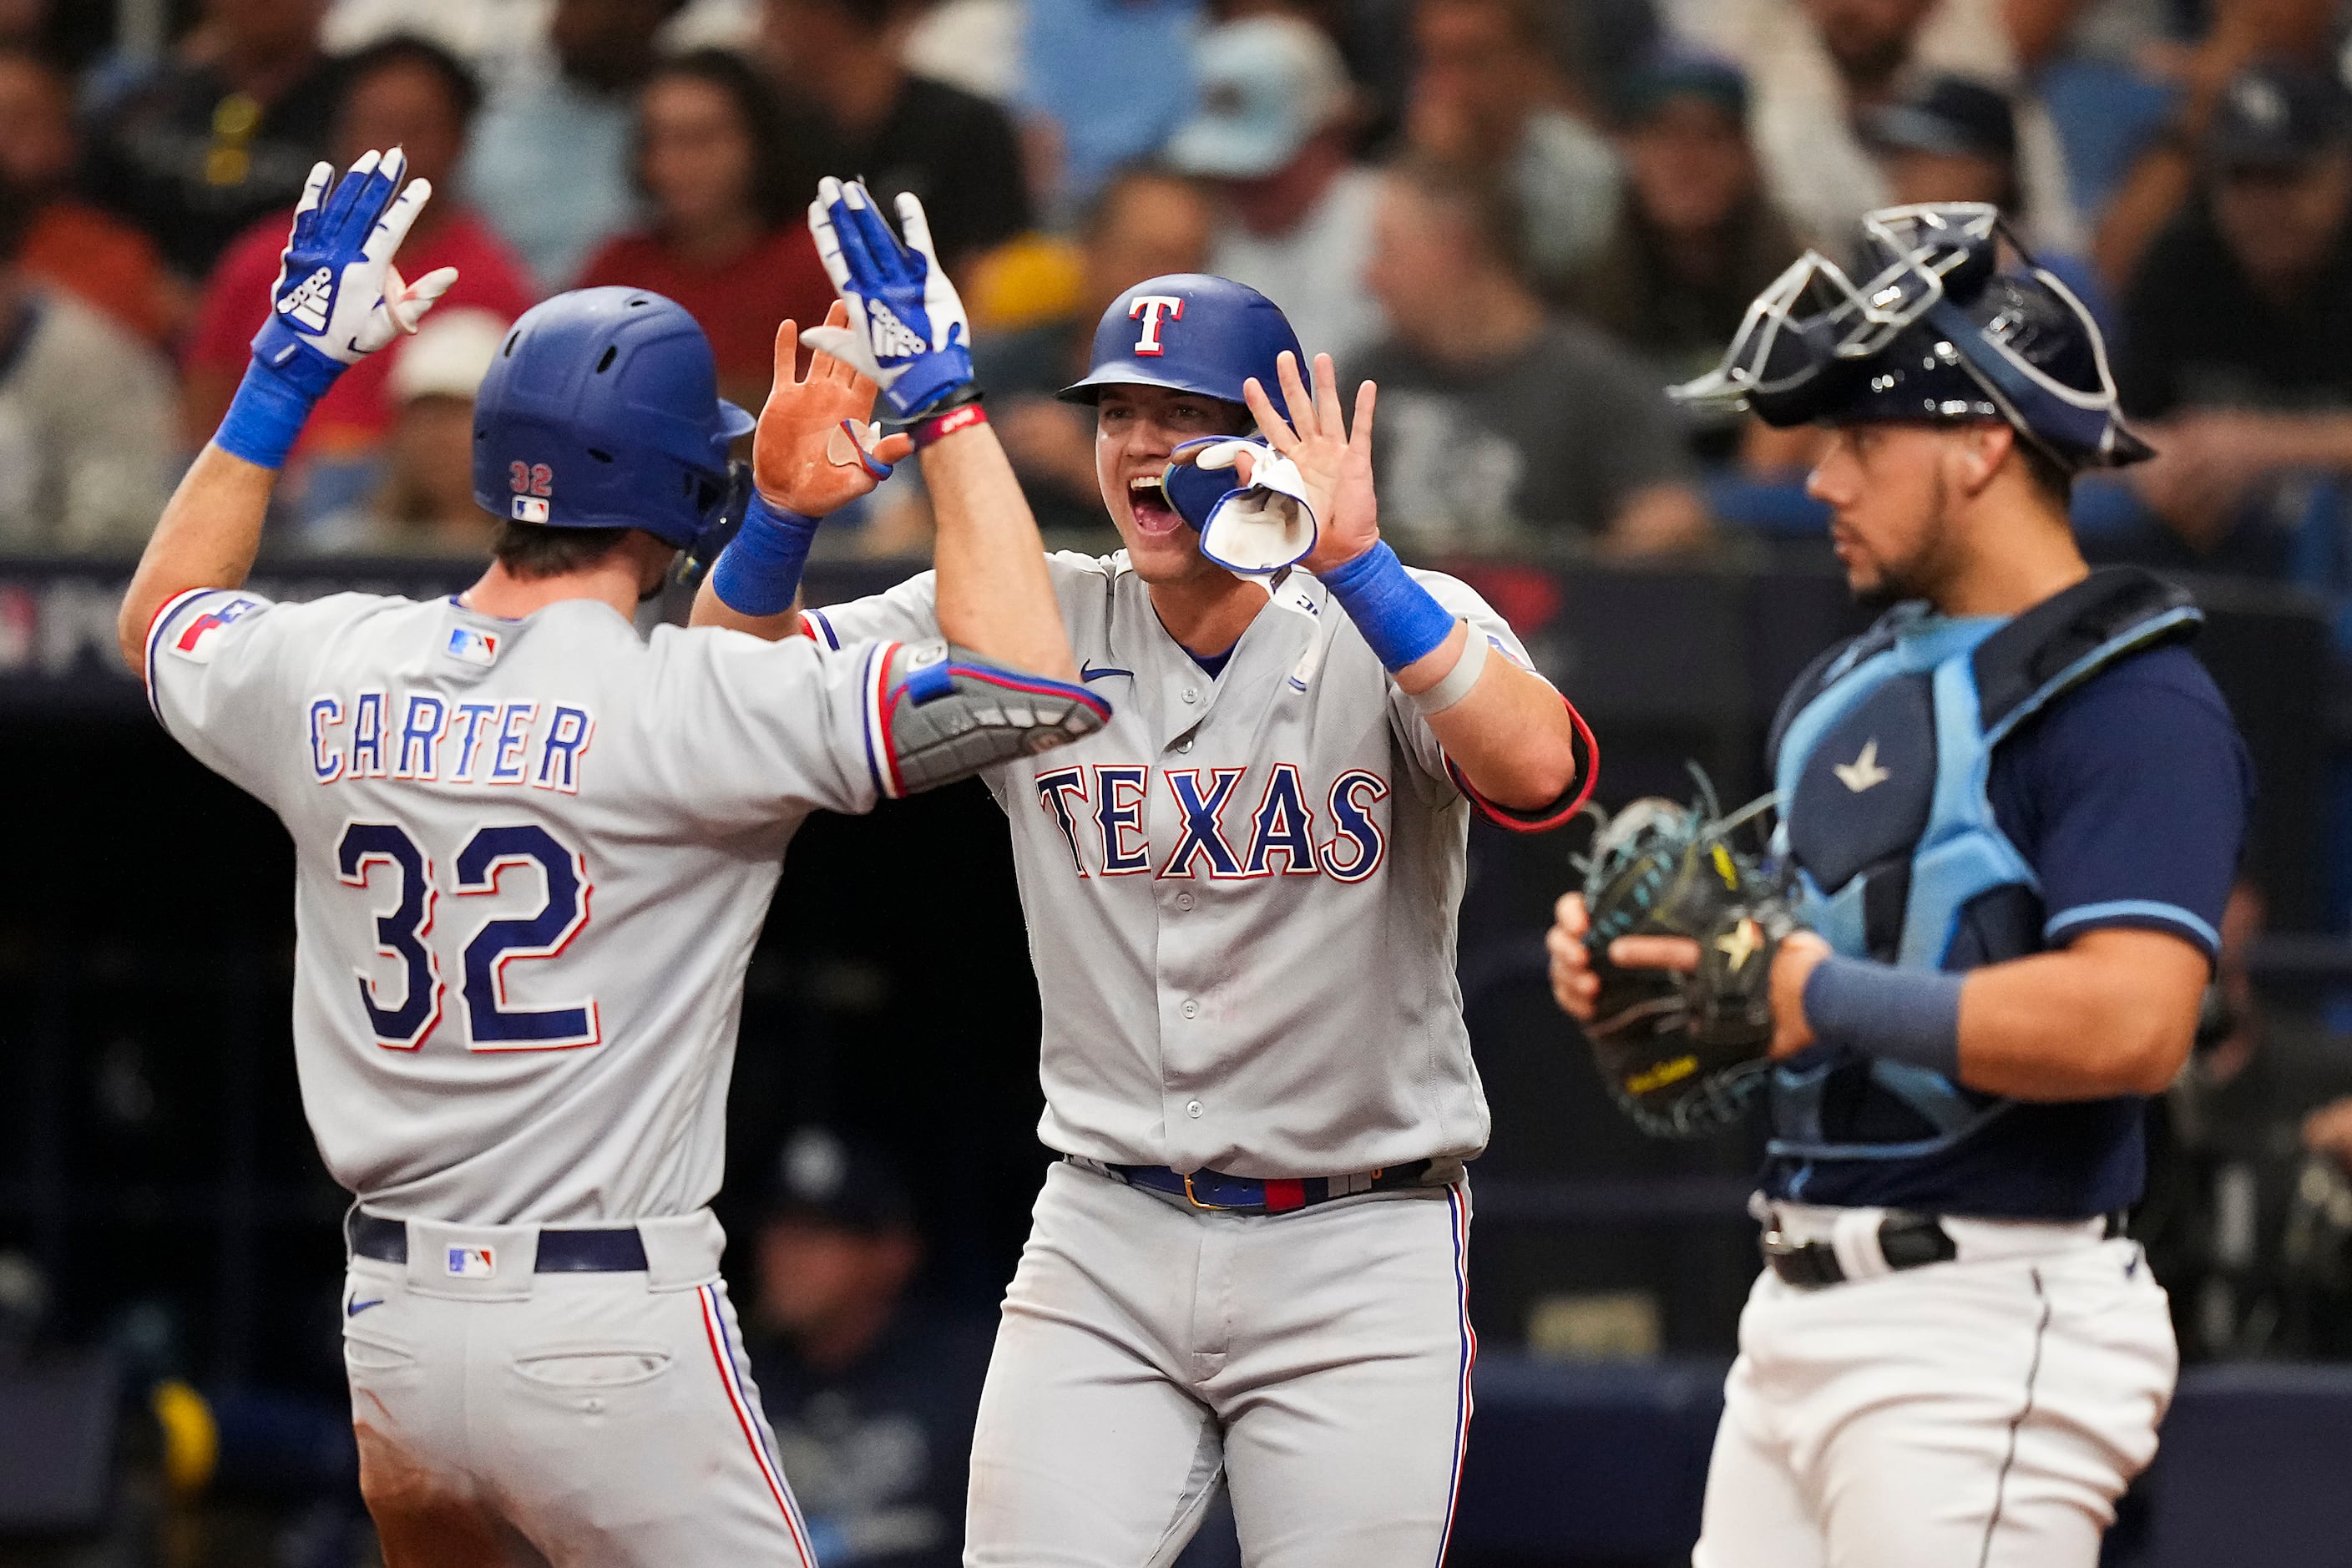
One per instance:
[(1254, 527), (338, 297), (907, 332)]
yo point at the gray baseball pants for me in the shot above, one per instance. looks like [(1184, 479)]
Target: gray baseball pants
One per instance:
[(506, 1417), (1319, 1361)]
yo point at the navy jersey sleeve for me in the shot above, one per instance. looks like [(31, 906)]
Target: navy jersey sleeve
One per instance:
[(2129, 800)]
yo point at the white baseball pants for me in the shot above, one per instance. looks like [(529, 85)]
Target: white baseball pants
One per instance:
[(1983, 1412), (1319, 1360), (511, 1418)]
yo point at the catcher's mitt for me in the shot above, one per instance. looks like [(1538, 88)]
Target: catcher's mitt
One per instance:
[(1683, 1053)]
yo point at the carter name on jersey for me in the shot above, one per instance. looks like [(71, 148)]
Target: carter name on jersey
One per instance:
[(427, 737)]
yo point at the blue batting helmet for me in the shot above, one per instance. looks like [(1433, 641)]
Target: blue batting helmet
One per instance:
[(1188, 332), (1936, 330), (603, 411)]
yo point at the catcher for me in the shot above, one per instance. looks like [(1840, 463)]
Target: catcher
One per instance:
[(2010, 813)]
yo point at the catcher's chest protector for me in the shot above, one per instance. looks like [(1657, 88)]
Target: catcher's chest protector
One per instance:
[(1881, 755)]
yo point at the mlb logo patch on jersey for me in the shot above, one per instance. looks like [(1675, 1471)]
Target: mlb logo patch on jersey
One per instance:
[(195, 641), (529, 509), (471, 646), (471, 1263)]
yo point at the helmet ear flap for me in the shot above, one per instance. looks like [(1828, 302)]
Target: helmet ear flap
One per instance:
[(722, 518)]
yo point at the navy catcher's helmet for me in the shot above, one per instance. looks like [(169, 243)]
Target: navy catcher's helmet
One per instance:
[(1188, 332), (603, 411), (1938, 332)]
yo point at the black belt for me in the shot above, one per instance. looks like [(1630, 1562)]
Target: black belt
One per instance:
[(1904, 1240), (1271, 1194), (621, 1251)]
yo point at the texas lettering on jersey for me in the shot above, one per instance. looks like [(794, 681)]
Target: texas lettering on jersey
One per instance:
[(1100, 813)]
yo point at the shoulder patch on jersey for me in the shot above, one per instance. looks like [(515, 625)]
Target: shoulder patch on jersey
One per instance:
[(470, 644), (194, 641)]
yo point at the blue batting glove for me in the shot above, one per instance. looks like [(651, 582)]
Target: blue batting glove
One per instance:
[(907, 332), (337, 299)]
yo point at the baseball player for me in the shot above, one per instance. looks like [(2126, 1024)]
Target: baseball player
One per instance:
[(532, 853), (1241, 903), (2012, 810)]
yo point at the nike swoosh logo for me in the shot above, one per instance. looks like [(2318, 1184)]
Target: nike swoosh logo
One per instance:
[(356, 1307), (1087, 673), (1862, 772)]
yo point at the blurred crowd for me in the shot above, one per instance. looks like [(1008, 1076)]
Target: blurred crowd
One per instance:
[(1524, 219)]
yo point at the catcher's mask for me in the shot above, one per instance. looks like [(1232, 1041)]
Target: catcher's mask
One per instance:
[(1937, 332)]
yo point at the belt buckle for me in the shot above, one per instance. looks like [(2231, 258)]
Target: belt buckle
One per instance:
[(1199, 1203)]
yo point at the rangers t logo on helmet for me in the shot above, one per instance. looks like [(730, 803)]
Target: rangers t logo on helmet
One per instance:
[(1151, 310)]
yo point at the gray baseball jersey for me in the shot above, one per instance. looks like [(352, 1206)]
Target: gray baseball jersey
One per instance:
[(1240, 894), (531, 858)]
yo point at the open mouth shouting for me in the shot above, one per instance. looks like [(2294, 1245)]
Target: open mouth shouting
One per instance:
[(1148, 503)]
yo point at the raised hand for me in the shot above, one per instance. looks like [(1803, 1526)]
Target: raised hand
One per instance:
[(338, 297), (814, 451), (1336, 464), (905, 329)]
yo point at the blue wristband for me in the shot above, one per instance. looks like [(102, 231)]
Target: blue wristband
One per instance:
[(270, 407), (1902, 1015), (1397, 615), (759, 573)]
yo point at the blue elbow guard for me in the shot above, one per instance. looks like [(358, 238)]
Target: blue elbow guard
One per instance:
[(759, 573), (1397, 615)]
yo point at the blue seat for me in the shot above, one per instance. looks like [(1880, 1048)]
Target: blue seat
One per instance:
[(1773, 508)]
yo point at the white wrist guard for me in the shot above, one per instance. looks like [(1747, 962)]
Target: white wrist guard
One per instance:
[(1459, 679)]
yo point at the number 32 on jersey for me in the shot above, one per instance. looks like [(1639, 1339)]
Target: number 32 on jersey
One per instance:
[(403, 1016)]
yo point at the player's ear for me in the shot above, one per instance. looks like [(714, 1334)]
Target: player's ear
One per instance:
[(1984, 445)]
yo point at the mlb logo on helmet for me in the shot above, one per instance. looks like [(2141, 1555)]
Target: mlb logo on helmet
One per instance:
[(531, 483), (471, 1263)]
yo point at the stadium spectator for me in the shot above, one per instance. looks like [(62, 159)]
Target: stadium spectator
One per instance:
[(85, 417), (1104, 84), (843, 60), (1819, 69), (424, 505), (971, 43), (1487, 93), (1501, 424), (2238, 341), (1146, 223), (871, 1396), (2164, 163), (72, 246), (401, 92), (1698, 237), (550, 162), (729, 195), (1954, 139), (224, 133), (1275, 135)]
